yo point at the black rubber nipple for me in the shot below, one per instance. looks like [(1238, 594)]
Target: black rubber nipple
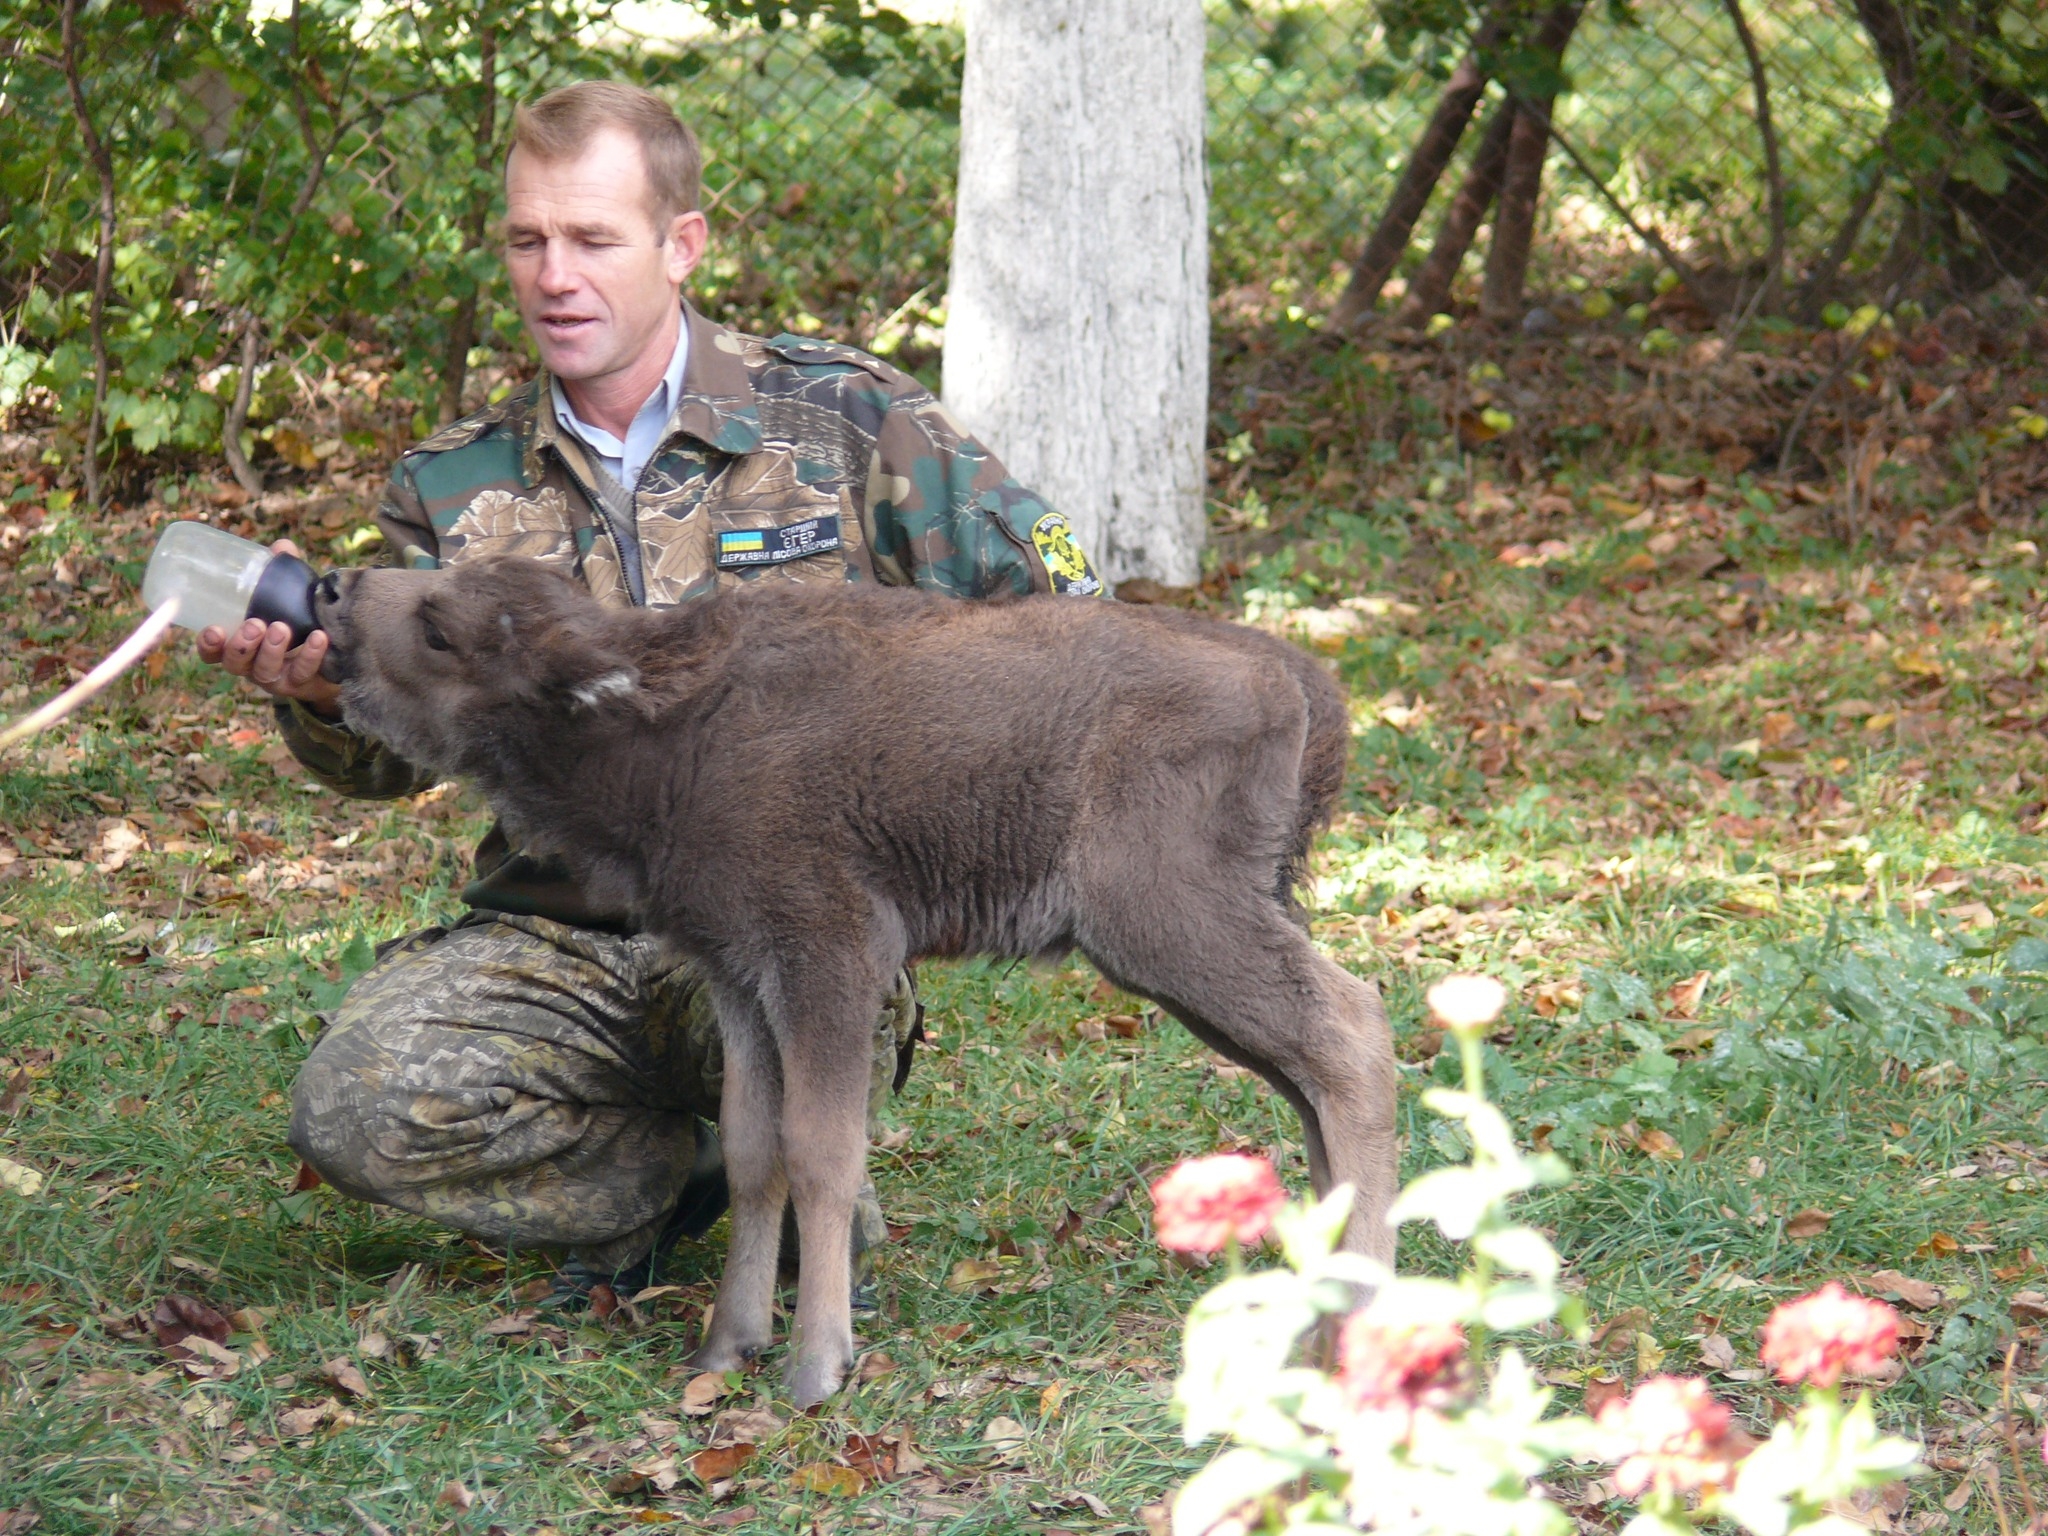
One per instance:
[(284, 595)]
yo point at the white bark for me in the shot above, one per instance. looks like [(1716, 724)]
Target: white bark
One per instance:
[(1077, 328)]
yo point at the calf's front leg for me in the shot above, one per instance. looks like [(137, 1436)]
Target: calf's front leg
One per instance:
[(749, 1120)]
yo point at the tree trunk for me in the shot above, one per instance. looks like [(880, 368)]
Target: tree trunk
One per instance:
[(1077, 333), (1521, 187), (1773, 296), (1514, 222), (1429, 291), (247, 475), (476, 225), (1433, 151), (1932, 54), (103, 260)]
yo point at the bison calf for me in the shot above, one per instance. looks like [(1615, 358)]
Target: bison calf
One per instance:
[(804, 788)]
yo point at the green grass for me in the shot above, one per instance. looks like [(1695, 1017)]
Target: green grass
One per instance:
[(1597, 779)]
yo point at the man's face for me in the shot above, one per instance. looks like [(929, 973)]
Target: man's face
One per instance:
[(596, 279)]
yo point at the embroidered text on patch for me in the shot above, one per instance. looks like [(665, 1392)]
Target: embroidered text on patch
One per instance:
[(773, 546)]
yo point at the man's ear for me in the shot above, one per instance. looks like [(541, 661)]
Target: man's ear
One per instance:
[(688, 234)]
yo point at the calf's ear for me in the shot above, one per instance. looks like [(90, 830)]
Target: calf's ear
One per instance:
[(578, 668)]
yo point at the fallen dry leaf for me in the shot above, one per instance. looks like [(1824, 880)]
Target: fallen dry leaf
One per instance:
[(456, 1496), (874, 1366), (1004, 1438), (1716, 1353), (1972, 915), (872, 1456), (825, 1477), (178, 1317), (1807, 1223), (1682, 999), (208, 1411), (296, 1422), (737, 1424), (703, 1392), (2029, 1307), (1049, 1400), (974, 1274), (205, 1360), (720, 1462), (1659, 1145), (1917, 1294), (346, 1377), (19, 1177), (1750, 901), (1602, 1390)]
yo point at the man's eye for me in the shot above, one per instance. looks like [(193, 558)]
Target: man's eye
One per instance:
[(436, 641)]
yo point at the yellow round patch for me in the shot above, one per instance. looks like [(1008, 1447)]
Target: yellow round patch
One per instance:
[(1064, 561)]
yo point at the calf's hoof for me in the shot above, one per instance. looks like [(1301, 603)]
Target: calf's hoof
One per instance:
[(716, 1354), (815, 1377)]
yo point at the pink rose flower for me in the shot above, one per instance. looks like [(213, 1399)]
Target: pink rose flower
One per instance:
[(1822, 1337), (1386, 1363), (1203, 1202), (1670, 1434)]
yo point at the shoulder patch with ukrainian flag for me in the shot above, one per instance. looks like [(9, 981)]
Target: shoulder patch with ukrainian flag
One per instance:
[(1064, 562), (739, 547)]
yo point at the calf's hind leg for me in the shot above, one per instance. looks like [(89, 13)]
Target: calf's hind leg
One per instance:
[(826, 1046), (1250, 984)]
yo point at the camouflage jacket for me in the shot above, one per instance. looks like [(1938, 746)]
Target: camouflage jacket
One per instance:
[(784, 460)]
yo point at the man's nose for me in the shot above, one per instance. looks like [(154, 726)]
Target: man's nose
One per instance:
[(557, 271)]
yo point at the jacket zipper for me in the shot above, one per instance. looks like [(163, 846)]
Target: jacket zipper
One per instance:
[(604, 518)]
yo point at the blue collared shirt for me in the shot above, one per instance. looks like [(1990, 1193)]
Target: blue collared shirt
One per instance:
[(624, 461)]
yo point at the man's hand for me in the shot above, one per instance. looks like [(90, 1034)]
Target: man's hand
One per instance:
[(265, 656)]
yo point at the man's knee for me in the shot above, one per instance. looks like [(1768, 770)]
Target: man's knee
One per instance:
[(333, 1109)]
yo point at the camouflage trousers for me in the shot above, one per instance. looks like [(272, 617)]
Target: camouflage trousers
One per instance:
[(530, 1083)]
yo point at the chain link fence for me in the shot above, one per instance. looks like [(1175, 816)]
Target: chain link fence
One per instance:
[(831, 198), (358, 270)]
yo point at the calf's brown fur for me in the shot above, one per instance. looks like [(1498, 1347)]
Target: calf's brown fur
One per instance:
[(804, 788)]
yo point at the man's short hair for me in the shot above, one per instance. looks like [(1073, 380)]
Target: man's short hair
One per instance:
[(562, 123)]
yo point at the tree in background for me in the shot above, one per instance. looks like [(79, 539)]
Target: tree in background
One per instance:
[(1965, 156), (1968, 131), (316, 183), (1077, 332)]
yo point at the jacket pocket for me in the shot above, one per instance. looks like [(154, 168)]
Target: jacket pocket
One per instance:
[(767, 524)]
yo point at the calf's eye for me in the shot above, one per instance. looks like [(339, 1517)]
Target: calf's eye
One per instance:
[(436, 641)]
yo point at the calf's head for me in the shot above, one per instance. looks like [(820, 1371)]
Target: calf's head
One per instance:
[(451, 667)]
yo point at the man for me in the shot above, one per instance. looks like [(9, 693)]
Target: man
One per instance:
[(530, 1076)]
